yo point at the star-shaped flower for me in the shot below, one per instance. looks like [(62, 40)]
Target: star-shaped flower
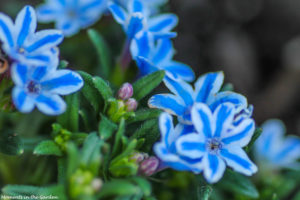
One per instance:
[(152, 55), (72, 15), (217, 142), (41, 86), (135, 18), (22, 44), (273, 151), (207, 90)]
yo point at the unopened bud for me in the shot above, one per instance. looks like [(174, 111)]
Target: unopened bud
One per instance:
[(139, 157), (131, 104), (149, 166), (125, 92)]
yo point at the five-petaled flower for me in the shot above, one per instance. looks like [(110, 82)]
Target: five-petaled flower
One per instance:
[(273, 151), (71, 15), (41, 86), (215, 144), (207, 90), (22, 44), (152, 56), (135, 18)]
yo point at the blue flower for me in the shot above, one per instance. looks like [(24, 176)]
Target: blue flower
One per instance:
[(166, 149), (22, 44), (217, 142), (152, 5), (71, 15), (135, 18), (152, 55), (41, 87), (273, 151), (207, 90)]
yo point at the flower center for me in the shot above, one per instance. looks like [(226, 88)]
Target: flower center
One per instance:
[(214, 145), (33, 87)]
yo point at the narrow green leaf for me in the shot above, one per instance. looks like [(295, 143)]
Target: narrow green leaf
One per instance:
[(144, 114), (145, 85), (128, 150), (118, 188), (239, 184), (106, 128), (70, 118), (143, 184), (48, 147), (255, 136), (204, 192), (11, 143), (103, 51), (90, 92), (62, 170), (103, 87), (72, 159), (118, 138)]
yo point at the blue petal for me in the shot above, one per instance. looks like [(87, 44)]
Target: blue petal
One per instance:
[(238, 100), (163, 35), (40, 59), (25, 24), (96, 4), (145, 66), (289, 152), (240, 135), (179, 71), (166, 128), (181, 89), (6, 28), (68, 27), (23, 102), (163, 23), (50, 104), (214, 168), (134, 25), (118, 13), (19, 74), (46, 13), (207, 85), (223, 115), (164, 51), (191, 145), (169, 103), (62, 82), (45, 40), (142, 45), (236, 158), (39, 73), (135, 6), (203, 120)]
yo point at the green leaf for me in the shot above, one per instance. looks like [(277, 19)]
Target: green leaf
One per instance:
[(89, 91), (63, 64), (129, 149), (57, 191), (47, 147), (103, 51), (11, 144), (70, 118), (143, 184), (145, 85), (72, 159), (145, 114), (118, 188), (239, 184), (204, 192), (118, 138), (106, 128), (255, 136), (103, 87)]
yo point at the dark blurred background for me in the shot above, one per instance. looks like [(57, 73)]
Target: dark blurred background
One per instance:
[(255, 42)]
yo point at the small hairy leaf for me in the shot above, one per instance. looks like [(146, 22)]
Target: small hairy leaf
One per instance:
[(145, 85), (106, 128), (48, 147), (144, 114), (118, 138), (103, 87)]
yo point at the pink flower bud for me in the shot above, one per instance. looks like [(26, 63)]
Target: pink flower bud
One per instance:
[(149, 166), (139, 157), (125, 92), (131, 105)]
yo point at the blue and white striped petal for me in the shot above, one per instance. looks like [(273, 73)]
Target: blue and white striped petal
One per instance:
[(142, 45), (62, 82), (135, 6), (236, 158), (223, 116), (134, 25), (179, 70), (207, 85), (241, 134), (191, 145), (214, 168), (203, 121), (166, 128), (47, 12), (23, 102), (119, 14), (51, 104), (6, 35), (19, 74), (181, 89), (163, 23), (145, 66), (25, 24), (164, 51)]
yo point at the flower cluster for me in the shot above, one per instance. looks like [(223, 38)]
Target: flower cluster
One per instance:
[(34, 59)]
